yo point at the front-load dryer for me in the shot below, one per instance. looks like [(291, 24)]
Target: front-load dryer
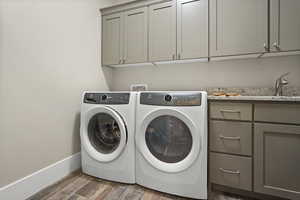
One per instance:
[(171, 142), (107, 135)]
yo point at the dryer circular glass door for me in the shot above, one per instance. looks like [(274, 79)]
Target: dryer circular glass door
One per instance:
[(104, 136), (168, 140)]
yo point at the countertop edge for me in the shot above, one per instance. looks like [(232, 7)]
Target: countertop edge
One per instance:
[(295, 99)]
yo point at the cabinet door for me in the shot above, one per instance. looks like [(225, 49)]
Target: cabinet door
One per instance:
[(112, 39), (192, 29), (162, 31), (285, 25), (238, 27), (277, 160), (136, 39)]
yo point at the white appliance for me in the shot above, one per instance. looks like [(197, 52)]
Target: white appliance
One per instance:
[(107, 135), (171, 142)]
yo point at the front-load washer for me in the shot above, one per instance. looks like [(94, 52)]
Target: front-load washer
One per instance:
[(171, 142), (107, 135)]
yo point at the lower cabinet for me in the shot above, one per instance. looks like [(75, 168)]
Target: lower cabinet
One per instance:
[(277, 160), (230, 170), (257, 152), (230, 137)]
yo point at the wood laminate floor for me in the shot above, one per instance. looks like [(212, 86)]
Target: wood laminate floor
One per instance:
[(79, 186)]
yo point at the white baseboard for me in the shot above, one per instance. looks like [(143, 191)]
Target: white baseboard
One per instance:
[(33, 183)]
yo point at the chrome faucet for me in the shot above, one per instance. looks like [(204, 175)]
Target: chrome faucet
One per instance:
[(280, 82)]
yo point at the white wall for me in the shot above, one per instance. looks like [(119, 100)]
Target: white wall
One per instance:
[(234, 73), (49, 54)]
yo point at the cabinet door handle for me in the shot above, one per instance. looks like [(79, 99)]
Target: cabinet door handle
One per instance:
[(179, 56), (229, 138), (124, 60), (229, 171), (120, 61), (173, 56), (230, 111)]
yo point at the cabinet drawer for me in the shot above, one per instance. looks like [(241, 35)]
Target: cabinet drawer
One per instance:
[(234, 111), (282, 113), (231, 171), (231, 137)]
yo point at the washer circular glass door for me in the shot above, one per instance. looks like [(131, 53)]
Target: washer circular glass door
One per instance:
[(104, 136), (168, 140)]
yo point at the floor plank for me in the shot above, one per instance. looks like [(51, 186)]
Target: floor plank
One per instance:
[(70, 189), (79, 186), (44, 194), (104, 192), (77, 197), (89, 189)]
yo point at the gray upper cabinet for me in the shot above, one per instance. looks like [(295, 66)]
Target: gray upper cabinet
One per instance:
[(238, 27), (135, 36), (277, 160), (124, 37), (162, 31), (112, 39), (192, 29), (285, 25)]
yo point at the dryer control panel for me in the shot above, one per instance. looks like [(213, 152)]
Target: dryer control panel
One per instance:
[(171, 98), (107, 98)]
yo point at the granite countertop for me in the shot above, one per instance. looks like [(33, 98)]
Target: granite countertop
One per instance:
[(256, 98), (291, 94)]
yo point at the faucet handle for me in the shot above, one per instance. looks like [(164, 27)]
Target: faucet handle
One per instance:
[(284, 75), (283, 80)]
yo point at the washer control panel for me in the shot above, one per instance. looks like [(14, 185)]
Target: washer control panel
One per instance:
[(107, 98), (171, 98)]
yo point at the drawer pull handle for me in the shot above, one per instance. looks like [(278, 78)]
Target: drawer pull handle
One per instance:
[(230, 111), (229, 171), (229, 138)]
